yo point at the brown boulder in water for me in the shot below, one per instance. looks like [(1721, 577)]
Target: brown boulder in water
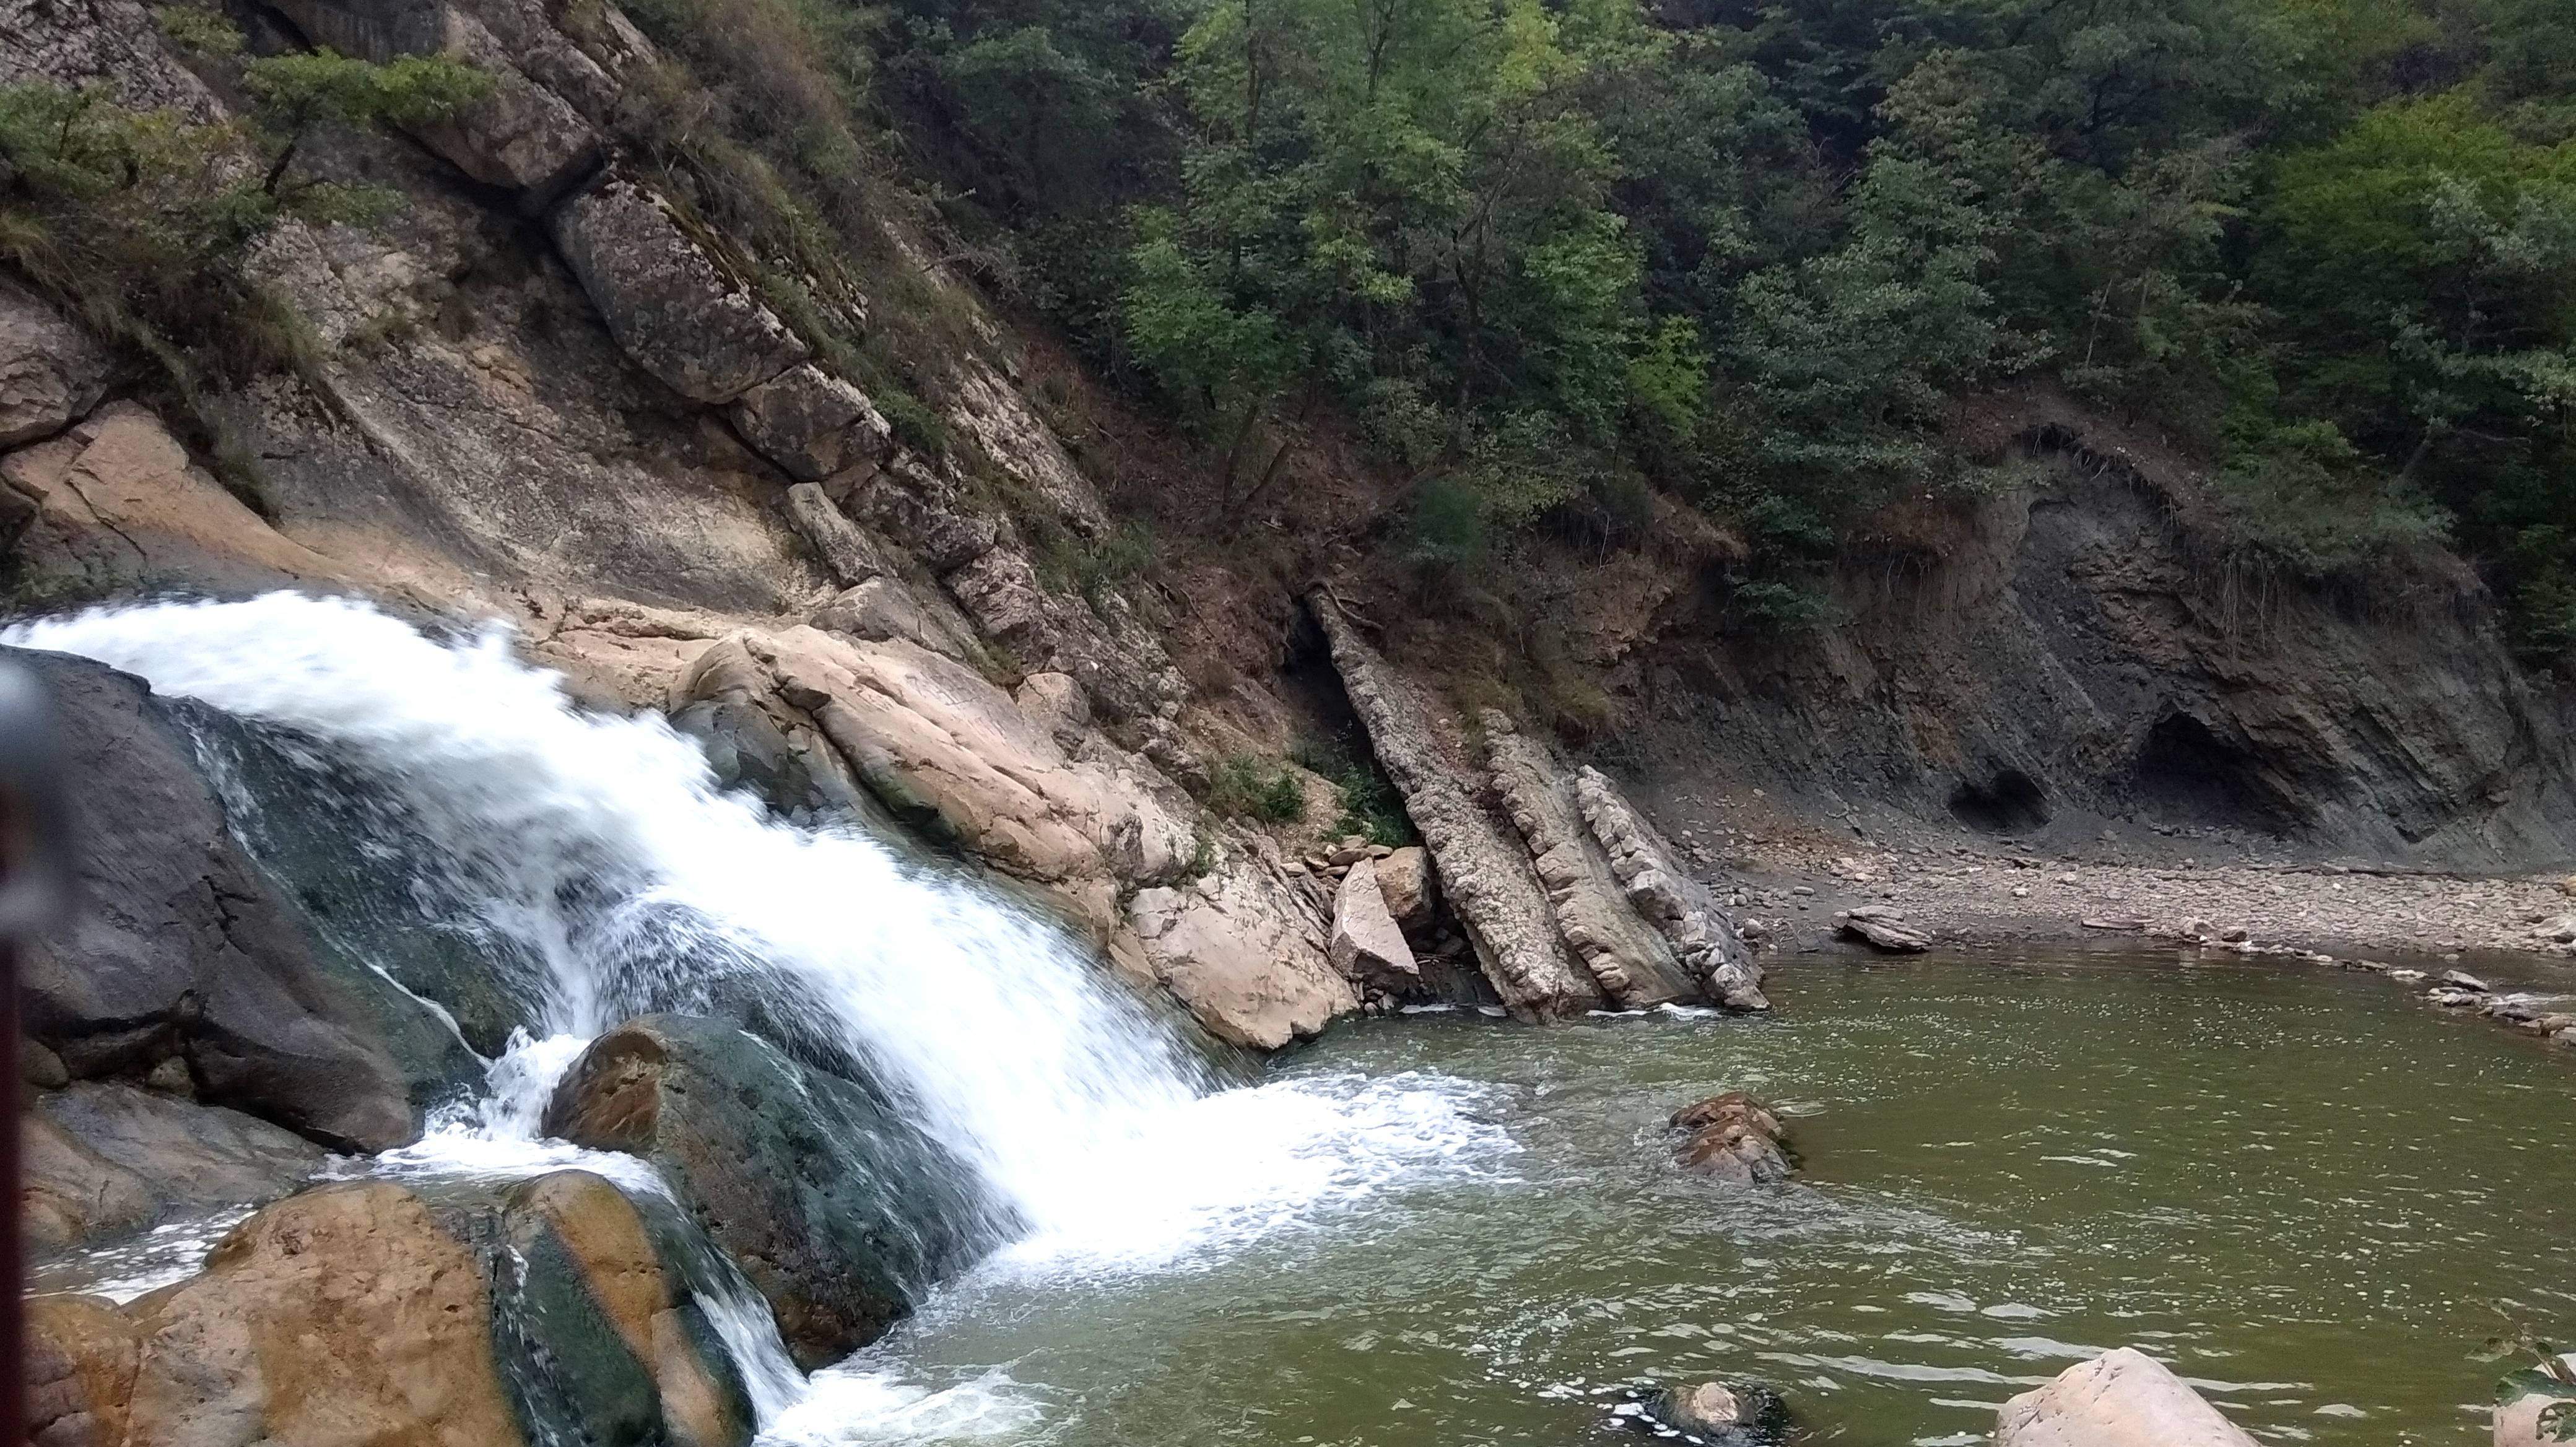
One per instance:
[(1732, 1137)]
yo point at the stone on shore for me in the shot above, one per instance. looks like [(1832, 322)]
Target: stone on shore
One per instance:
[(1880, 931), (1244, 951), (1367, 946), (1412, 892), (2122, 1398)]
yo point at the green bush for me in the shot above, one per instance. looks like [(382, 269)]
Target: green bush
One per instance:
[(1370, 806), (1247, 787)]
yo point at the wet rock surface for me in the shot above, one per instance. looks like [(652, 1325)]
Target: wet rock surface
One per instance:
[(1716, 1414), (1731, 1137), (834, 1205), (186, 952), (2123, 1398), (106, 1158)]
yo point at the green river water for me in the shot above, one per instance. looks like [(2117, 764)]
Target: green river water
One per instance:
[(2299, 1187)]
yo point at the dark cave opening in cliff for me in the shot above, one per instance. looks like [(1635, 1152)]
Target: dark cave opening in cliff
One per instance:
[(2185, 774), (2004, 803)]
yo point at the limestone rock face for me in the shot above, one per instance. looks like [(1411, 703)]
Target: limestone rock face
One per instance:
[(988, 409), (2122, 1398), (1367, 946), (1666, 896), (811, 423), (105, 1157), (675, 311), (114, 503), (521, 136), (184, 950), (1244, 951), (1486, 877), (113, 43), (342, 1314), (1633, 965), (848, 552), (837, 1211), (51, 372)]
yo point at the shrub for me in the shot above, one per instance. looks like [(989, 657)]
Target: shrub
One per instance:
[(1252, 788)]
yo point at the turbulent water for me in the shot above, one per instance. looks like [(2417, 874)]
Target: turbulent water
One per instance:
[(2299, 1187), (597, 851)]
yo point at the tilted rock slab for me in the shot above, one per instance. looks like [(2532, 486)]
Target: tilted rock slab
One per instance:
[(951, 754), (677, 312), (1632, 963), (1681, 907), (811, 423), (2122, 1398), (1486, 876)]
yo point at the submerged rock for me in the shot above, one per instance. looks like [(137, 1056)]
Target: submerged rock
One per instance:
[(2122, 1398), (1722, 1416), (1731, 1137), (838, 1210)]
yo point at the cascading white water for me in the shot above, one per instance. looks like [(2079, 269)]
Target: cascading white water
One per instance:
[(602, 847)]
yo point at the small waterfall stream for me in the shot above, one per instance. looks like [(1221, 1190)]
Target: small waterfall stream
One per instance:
[(594, 871)]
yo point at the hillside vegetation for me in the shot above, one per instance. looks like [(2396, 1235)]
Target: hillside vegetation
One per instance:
[(1558, 265)]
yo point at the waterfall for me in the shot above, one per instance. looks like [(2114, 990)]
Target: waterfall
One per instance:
[(598, 852)]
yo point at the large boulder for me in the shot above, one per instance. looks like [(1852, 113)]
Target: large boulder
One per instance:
[(1665, 895), (1486, 877), (837, 1210), (358, 1312), (51, 372), (1412, 891), (1244, 951), (1367, 945), (2122, 1398), (182, 951), (680, 314), (811, 423), (344, 1314), (594, 1329), (1627, 957), (102, 1158)]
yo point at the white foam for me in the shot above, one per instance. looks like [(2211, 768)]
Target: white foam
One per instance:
[(602, 847)]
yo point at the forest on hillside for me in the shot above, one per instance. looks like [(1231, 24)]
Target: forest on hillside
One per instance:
[(1551, 253), (1553, 260)]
